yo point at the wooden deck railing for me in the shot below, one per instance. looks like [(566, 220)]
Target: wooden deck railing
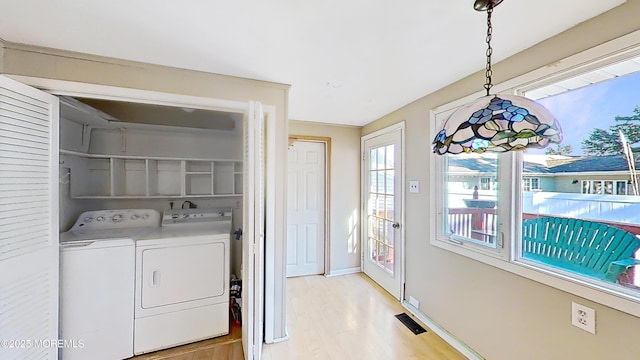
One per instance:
[(467, 221), (474, 223)]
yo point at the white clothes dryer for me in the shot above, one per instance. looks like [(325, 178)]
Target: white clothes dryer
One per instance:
[(182, 279)]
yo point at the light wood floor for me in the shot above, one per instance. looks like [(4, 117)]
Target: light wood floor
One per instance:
[(350, 317), (228, 347)]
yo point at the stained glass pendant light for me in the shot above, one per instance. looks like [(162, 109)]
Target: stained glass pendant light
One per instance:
[(496, 123)]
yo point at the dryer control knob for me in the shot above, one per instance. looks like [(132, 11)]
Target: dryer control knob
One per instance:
[(100, 218), (116, 218)]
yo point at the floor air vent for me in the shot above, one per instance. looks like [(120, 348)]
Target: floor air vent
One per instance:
[(410, 323)]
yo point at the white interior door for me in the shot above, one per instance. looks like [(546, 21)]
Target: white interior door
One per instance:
[(28, 221), (306, 208), (382, 214), (253, 238)]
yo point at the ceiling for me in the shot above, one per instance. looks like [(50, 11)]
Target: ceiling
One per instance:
[(348, 62)]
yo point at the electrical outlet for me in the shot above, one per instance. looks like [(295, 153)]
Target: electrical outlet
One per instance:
[(414, 186), (414, 302), (583, 317)]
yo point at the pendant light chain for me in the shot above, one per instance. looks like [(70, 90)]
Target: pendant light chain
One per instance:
[(488, 70)]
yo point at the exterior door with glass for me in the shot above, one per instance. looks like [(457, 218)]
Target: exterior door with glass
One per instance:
[(382, 212)]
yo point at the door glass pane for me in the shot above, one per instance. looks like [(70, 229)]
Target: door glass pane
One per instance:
[(373, 159), (374, 182), (381, 157), (390, 156), (380, 175), (389, 210), (373, 225), (390, 178), (390, 235), (389, 260), (373, 249), (381, 207)]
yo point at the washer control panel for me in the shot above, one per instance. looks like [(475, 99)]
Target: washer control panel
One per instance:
[(195, 216), (109, 219)]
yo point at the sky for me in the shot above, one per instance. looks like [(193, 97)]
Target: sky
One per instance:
[(582, 110)]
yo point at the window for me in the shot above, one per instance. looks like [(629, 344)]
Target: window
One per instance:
[(588, 180), (471, 214), (530, 184), (487, 183), (606, 187)]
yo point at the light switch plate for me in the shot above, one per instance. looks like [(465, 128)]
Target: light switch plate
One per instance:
[(414, 186)]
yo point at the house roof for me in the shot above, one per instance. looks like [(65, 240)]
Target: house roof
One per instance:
[(591, 164), (550, 165), (465, 164)]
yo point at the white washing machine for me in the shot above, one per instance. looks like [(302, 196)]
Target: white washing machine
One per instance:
[(97, 260), (182, 279)]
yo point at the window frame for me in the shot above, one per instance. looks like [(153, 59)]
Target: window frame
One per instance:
[(530, 186), (603, 182), (506, 255)]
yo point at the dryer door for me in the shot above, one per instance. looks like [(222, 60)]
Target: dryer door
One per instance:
[(179, 274)]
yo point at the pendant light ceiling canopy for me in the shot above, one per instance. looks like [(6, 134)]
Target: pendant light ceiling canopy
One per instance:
[(496, 123)]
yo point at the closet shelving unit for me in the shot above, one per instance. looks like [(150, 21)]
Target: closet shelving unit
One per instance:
[(98, 176)]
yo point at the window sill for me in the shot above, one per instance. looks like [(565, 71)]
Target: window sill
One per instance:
[(591, 291)]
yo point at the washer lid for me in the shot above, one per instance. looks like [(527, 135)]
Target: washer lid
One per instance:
[(104, 234), (94, 244)]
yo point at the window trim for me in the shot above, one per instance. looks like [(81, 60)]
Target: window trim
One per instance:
[(508, 258), (602, 181)]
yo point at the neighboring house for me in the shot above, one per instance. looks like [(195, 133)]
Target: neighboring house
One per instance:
[(607, 175)]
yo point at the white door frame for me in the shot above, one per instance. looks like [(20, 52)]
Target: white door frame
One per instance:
[(327, 187), (105, 92), (363, 210)]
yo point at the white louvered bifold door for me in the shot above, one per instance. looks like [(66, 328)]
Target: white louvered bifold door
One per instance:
[(28, 222), (253, 238)]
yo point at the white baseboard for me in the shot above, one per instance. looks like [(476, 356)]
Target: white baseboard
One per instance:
[(284, 338), (344, 272), (444, 334)]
